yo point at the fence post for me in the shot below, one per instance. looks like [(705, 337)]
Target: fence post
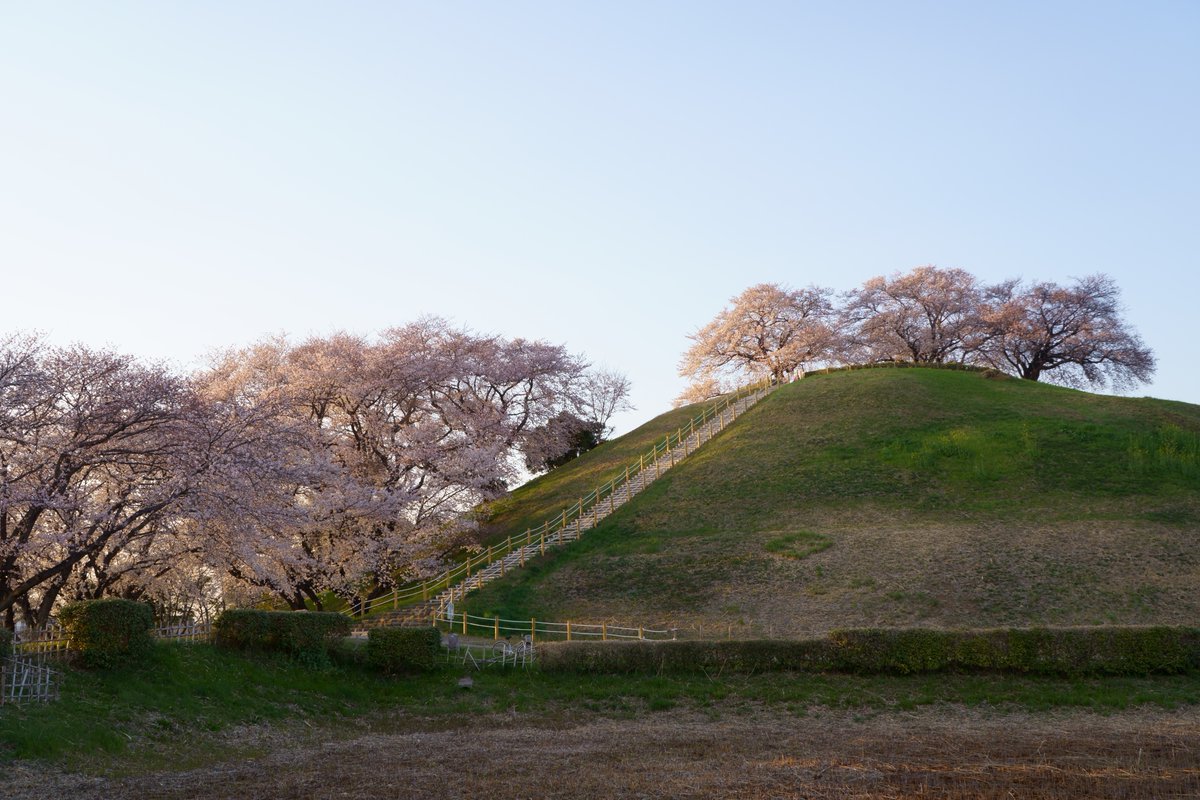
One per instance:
[(604, 631), (641, 632), (533, 630), (464, 623), (496, 627), (568, 630), (395, 598), (542, 543)]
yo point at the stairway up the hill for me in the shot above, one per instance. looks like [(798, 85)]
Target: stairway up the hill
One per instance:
[(424, 612)]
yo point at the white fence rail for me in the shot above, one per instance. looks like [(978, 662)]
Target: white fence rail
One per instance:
[(184, 632), (26, 675), (26, 678)]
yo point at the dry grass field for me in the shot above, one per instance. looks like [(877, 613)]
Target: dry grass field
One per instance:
[(946, 752)]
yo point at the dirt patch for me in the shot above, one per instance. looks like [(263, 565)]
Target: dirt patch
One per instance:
[(951, 752)]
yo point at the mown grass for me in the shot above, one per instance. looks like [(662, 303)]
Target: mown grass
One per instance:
[(945, 498), (185, 708)]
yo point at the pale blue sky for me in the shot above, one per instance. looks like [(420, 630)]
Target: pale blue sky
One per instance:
[(175, 177)]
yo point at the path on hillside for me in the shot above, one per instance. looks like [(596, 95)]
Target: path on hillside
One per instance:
[(637, 477)]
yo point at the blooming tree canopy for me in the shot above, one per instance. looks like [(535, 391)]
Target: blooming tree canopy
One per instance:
[(1074, 335), (338, 464), (767, 331)]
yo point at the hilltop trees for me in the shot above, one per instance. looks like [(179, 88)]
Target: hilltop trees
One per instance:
[(1074, 335), (767, 331), (928, 315)]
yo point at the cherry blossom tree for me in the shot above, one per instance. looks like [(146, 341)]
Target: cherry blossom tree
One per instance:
[(99, 454), (928, 315), (572, 432), (409, 432), (766, 331), (1073, 335)]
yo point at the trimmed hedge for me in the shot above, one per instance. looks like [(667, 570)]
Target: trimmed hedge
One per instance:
[(108, 633), (394, 650), (304, 635), (1039, 651), (1043, 651), (760, 655)]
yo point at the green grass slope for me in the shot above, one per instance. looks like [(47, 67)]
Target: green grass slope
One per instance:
[(897, 497), (546, 496)]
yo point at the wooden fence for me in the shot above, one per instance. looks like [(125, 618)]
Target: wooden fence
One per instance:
[(27, 678), (26, 675), (498, 628)]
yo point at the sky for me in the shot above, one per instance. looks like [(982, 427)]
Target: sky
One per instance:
[(181, 177)]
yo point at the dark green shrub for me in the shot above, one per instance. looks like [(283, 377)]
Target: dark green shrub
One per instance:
[(307, 636), (763, 655), (350, 652), (1129, 650), (1099, 651), (1042, 651), (108, 633), (6, 639), (393, 650), (893, 651)]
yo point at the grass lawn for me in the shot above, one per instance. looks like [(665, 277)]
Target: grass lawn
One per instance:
[(187, 708)]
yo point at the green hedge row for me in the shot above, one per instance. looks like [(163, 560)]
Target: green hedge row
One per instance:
[(108, 633), (394, 650), (1041, 651), (305, 635)]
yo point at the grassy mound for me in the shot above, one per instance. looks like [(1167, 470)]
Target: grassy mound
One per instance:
[(540, 499), (893, 498)]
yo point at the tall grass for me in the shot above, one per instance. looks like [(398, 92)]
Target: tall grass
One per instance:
[(1168, 450)]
